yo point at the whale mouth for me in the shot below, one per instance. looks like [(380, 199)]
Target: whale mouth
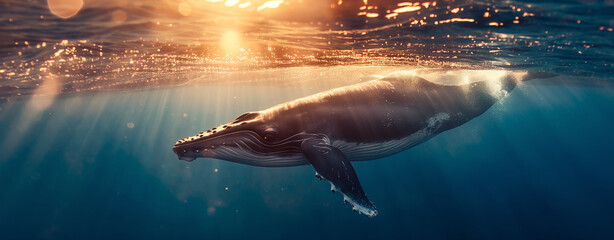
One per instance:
[(189, 159)]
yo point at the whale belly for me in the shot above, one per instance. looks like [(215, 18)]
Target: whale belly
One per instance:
[(362, 151), (374, 150)]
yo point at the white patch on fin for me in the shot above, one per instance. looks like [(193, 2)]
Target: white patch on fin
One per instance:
[(355, 206), (333, 188)]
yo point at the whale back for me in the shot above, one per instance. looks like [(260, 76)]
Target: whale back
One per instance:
[(388, 108)]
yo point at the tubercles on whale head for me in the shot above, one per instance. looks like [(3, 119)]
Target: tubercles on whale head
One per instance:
[(246, 138), (212, 132), (202, 144)]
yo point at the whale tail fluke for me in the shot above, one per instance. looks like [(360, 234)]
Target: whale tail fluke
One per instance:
[(332, 165), (531, 75), (510, 81)]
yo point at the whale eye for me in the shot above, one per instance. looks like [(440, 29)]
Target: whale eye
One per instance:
[(269, 133)]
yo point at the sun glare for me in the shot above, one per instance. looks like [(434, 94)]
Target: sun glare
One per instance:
[(270, 4), (230, 42), (65, 8)]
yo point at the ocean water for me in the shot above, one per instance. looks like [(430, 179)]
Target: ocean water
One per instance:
[(91, 104)]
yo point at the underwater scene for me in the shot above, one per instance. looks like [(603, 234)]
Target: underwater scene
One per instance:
[(306, 119)]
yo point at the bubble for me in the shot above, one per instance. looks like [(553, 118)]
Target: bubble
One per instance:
[(65, 8), (210, 211), (184, 9), (119, 16)]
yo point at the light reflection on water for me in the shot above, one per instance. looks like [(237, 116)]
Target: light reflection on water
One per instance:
[(126, 45)]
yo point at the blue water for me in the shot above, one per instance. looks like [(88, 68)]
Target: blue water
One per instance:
[(535, 166), (91, 104)]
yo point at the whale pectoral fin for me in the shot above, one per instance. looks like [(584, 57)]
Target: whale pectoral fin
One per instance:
[(331, 164)]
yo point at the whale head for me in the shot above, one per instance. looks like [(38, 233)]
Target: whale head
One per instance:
[(249, 139)]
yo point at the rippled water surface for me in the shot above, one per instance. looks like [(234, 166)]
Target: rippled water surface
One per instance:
[(134, 44), (93, 94)]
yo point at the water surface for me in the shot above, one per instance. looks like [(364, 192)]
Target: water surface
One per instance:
[(91, 104)]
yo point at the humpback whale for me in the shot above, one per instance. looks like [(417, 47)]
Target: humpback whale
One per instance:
[(364, 121)]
